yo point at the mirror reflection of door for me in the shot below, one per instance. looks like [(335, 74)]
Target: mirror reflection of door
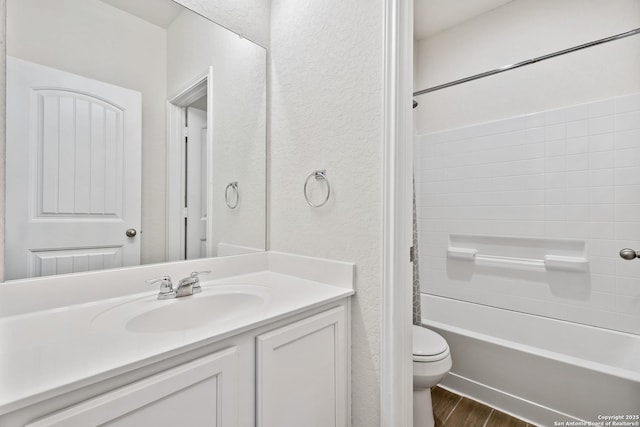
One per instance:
[(189, 141), (196, 181), (156, 48), (73, 172)]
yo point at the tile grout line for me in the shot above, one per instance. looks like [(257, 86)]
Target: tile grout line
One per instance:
[(453, 409), (488, 417)]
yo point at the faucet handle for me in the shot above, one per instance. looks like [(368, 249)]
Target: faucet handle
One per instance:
[(166, 287), (196, 282), (164, 280), (197, 273)]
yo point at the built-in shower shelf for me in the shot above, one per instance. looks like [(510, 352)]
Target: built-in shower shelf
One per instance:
[(548, 262)]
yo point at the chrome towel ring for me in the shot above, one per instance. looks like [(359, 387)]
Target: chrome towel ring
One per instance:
[(319, 174), (228, 198)]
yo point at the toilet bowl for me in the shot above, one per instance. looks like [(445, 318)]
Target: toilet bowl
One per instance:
[(431, 362)]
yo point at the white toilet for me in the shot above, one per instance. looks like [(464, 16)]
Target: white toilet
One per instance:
[(431, 362)]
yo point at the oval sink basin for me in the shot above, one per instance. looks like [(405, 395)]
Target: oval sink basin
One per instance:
[(215, 304), (186, 313)]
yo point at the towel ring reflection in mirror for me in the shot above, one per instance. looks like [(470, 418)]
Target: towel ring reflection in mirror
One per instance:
[(318, 175), (229, 198)]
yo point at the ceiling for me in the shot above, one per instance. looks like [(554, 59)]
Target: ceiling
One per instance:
[(158, 12), (433, 16), (430, 16)]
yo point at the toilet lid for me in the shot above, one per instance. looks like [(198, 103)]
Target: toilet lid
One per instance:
[(427, 342)]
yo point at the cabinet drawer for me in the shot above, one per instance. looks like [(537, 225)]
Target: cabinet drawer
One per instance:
[(201, 393)]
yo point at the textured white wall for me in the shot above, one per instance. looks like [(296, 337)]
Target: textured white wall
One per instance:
[(250, 18), (239, 120), (521, 30), (326, 109), (89, 42)]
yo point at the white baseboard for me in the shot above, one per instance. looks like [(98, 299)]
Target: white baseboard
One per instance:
[(513, 405)]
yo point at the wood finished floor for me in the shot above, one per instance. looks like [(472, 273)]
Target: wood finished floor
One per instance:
[(451, 410)]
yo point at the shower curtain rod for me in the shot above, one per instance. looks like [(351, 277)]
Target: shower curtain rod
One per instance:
[(528, 62)]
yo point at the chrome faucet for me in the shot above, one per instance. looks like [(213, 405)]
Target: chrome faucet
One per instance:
[(187, 286), (190, 285)]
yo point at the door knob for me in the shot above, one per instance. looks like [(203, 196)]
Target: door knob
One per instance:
[(131, 232), (629, 254)]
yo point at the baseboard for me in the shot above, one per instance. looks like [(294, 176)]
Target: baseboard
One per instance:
[(513, 405)]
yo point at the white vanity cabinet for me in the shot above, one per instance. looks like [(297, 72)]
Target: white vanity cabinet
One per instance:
[(301, 373), (201, 393), (288, 372)]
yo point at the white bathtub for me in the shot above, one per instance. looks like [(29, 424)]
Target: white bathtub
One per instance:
[(542, 370)]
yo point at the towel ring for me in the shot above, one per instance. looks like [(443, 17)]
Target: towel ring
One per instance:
[(232, 185), (319, 174)]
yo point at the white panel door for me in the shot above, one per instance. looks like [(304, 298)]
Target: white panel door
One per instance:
[(73, 172), (196, 234), (202, 393), (302, 377)]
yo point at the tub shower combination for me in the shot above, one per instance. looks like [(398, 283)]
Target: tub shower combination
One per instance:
[(544, 328), (521, 224)]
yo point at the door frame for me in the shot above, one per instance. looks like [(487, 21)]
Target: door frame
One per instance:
[(176, 155), (396, 340)]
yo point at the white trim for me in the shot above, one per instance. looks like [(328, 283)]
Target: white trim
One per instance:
[(515, 406), (3, 139), (396, 373), (193, 91), (174, 248), (211, 247)]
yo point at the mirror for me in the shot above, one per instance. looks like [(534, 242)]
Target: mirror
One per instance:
[(136, 134)]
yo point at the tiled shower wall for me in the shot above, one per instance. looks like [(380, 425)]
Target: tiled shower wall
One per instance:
[(539, 180)]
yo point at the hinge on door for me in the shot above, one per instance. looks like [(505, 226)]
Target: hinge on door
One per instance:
[(412, 254), (186, 132), (185, 213)]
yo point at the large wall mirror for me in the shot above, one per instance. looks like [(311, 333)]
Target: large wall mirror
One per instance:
[(136, 133)]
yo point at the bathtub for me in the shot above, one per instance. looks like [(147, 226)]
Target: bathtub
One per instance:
[(542, 370)]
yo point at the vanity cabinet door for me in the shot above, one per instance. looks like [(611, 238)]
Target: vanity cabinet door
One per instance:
[(302, 375), (202, 393)]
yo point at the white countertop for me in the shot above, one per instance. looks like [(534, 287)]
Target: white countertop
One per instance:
[(48, 352)]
